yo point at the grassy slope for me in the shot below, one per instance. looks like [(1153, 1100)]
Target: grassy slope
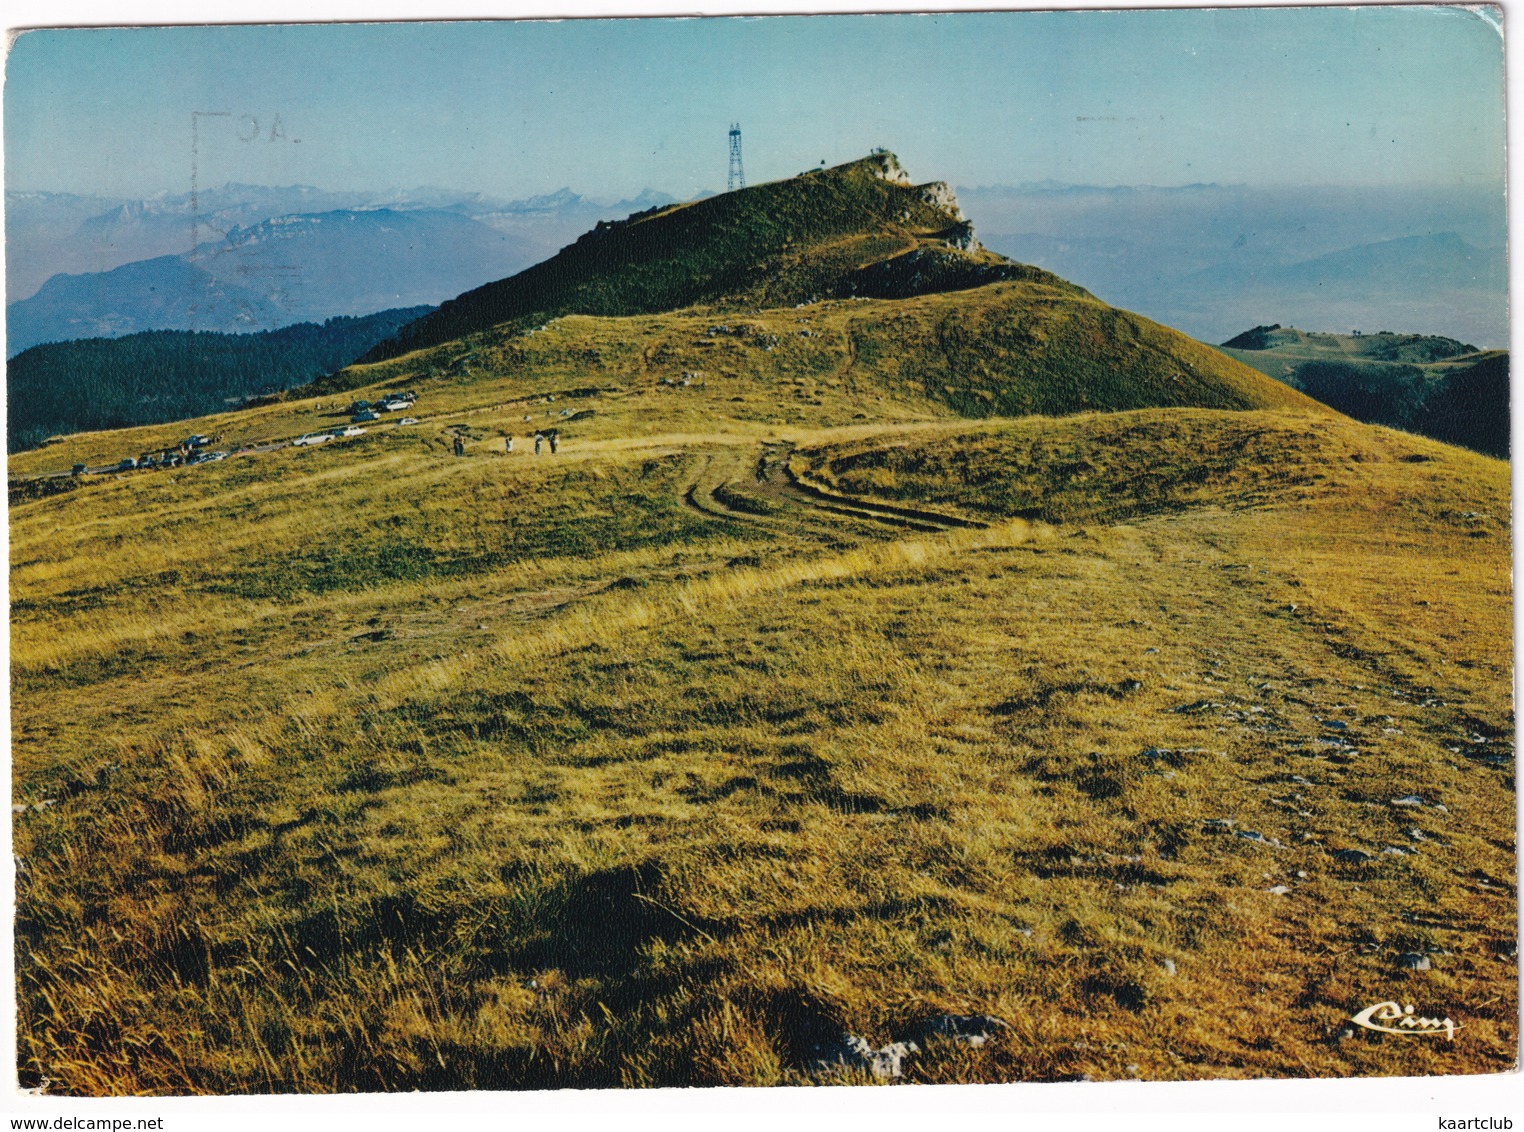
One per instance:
[(1002, 349), (378, 769)]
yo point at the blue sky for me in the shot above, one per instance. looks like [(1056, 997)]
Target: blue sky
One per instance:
[(1260, 96)]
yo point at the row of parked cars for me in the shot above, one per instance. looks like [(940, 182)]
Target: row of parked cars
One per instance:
[(191, 450), (197, 449), (363, 412), (330, 434), (398, 402)]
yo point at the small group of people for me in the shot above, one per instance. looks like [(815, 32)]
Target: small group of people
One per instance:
[(541, 438)]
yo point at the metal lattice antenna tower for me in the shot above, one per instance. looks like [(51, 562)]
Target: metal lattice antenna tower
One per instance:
[(737, 177)]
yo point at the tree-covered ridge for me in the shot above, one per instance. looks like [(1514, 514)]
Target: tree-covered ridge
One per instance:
[(164, 375), (1434, 386)]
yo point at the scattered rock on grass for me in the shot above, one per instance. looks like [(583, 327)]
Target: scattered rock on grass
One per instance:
[(1335, 743), (1414, 961), (1353, 856), (848, 1051), (1197, 706), (964, 1029)]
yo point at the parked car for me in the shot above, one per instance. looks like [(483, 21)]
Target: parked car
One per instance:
[(208, 457), (313, 438), (406, 421), (80, 469), (367, 415), (198, 441), (127, 464), (348, 430)]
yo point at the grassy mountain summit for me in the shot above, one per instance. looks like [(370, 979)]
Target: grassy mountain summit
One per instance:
[(932, 310), (856, 229)]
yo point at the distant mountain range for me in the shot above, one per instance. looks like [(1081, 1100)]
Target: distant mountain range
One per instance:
[(52, 233), (1208, 259), (287, 270), (975, 331), (1437, 263), (1211, 259)]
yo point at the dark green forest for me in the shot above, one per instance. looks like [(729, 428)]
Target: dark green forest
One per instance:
[(164, 375), (1465, 405)]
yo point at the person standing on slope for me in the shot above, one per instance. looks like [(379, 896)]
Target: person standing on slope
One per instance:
[(539, 439), (460, 446), (555, 440)]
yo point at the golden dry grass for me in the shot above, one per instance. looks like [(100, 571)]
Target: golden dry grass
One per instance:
[(370, 768)]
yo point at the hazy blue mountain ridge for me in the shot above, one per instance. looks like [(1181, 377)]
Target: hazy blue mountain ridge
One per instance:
[(275, 273), (52, 233), (1211, 259), (1206, 258)]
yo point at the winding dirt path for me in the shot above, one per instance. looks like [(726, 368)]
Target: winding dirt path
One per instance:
[(771, 491)]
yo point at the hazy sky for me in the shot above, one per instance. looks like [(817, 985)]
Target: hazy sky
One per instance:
[(1264, 96)]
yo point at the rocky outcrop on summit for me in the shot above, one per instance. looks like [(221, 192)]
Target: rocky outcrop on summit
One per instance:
[(939, 194), (884, 164)]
